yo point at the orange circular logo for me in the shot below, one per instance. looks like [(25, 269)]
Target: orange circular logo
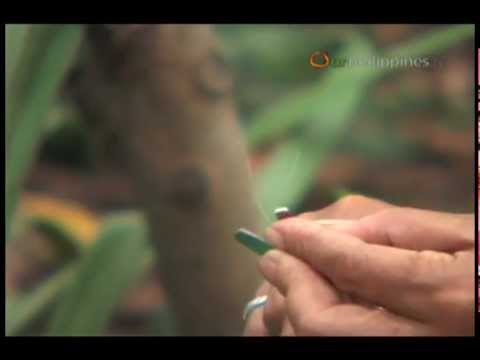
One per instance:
[(319, 65)]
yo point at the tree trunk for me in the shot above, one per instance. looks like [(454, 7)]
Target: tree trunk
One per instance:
[(165, 94)]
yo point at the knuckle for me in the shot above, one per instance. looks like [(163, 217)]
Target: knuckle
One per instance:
[(297, 238), (453, 289), (351, 200), (308, 215), (391, 223), (343, 279), (389, 214), (386, 213), (301, 248), (420, 268), (346, 271), (455, 301), (284, 270)]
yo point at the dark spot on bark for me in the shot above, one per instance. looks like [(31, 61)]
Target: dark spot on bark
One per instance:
[(214, 79), (116, 49), (189, 189)]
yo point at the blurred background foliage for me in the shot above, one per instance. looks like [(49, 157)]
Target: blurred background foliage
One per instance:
[(80, 263)]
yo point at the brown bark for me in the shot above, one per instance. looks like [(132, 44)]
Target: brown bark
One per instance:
[(165, 94)]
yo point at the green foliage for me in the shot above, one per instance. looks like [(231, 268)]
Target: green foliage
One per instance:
[(163, 323), (37, 59), (63, 238), (21, 310), (434, 42), (317, 118), (85, 292), (326, 98), (15, 36), (326, 101), (119, 256), (277, 53), (325, 110), (286, 177)]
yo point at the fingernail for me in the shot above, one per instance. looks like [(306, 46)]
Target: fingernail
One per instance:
[(273, 237), (282, 213)]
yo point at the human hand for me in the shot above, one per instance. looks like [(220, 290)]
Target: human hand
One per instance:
[(411, 272), (271, 319)]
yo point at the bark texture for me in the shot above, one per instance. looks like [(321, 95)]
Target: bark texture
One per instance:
[(165, 94)]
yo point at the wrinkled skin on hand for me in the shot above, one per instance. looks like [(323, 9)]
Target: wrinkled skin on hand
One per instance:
[(388, 271)]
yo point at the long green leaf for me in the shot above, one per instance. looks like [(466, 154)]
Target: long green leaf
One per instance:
[(434, 42), (15, 36), (321, 102), (28, 63), (325, 97), (63, 238), (20, 310), (118, 257), (50, 51), (285, 178), (330, 109), (325, 110), (15, 43)]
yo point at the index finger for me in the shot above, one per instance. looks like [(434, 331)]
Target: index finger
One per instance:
[(414, 229), (348, 207)]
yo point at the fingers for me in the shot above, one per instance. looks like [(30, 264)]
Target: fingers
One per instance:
[(304, 289), (254, 325), (348, 207), (383, 223), (274, 312), (313, 306), (269, 320), (414, 229), (369, 271)]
